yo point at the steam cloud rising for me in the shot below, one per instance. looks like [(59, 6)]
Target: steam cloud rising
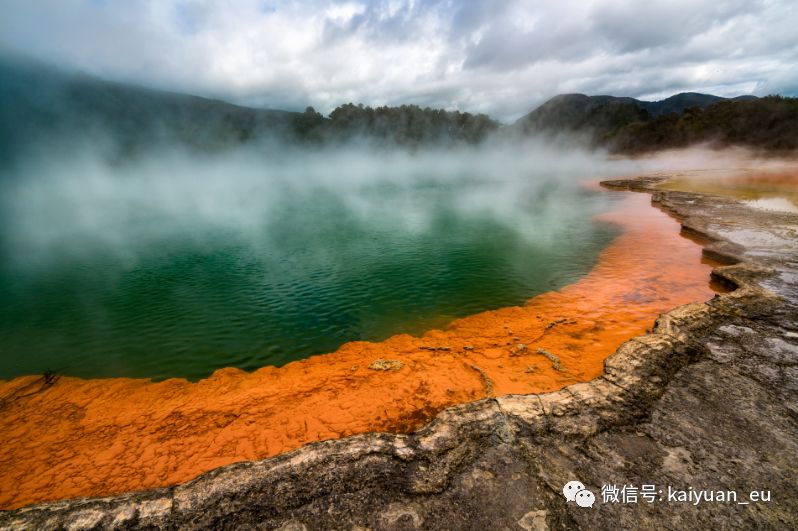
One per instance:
[(173, 262), (82, 203)]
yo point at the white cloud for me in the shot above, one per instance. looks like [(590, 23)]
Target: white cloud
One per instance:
[(502, 57)]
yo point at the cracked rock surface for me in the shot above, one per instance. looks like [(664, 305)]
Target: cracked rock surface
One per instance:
[(708, 400)]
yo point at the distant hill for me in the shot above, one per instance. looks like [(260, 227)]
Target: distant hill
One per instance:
[(679, 102), (628, 125), (43, 107), (568, 113), (602, 116), (769, 124), (40, 105)]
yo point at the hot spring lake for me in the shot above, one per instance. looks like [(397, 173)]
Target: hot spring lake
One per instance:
[(176, 267)]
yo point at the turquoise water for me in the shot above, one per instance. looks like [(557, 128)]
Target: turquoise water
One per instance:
[(163, 275)]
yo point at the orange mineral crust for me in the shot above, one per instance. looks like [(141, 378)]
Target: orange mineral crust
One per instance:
[(79, 437)]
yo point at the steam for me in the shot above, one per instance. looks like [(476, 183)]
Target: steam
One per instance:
[(177, 262), (717, 163), (58, 206), (68, 203)]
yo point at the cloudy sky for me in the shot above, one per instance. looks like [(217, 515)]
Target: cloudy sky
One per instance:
[(502, 57)]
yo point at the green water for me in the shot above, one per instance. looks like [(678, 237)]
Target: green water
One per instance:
[(97, 281)]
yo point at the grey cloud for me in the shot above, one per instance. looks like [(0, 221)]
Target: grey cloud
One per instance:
[(552, 36), (501, 57), (630, 25)]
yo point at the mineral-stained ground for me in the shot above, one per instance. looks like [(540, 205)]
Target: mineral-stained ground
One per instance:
[(705, 400)]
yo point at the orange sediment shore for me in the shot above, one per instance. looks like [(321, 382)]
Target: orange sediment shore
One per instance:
[(79, 437)]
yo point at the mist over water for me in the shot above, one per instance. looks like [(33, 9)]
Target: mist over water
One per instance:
[(176, 265)]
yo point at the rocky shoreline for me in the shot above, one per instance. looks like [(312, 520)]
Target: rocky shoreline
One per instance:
[(708, 400), (69, 437)]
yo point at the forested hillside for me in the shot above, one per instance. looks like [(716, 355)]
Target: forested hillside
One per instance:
[(44, 107)]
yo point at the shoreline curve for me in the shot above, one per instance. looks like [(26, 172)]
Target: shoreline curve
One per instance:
[(78, 437)]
